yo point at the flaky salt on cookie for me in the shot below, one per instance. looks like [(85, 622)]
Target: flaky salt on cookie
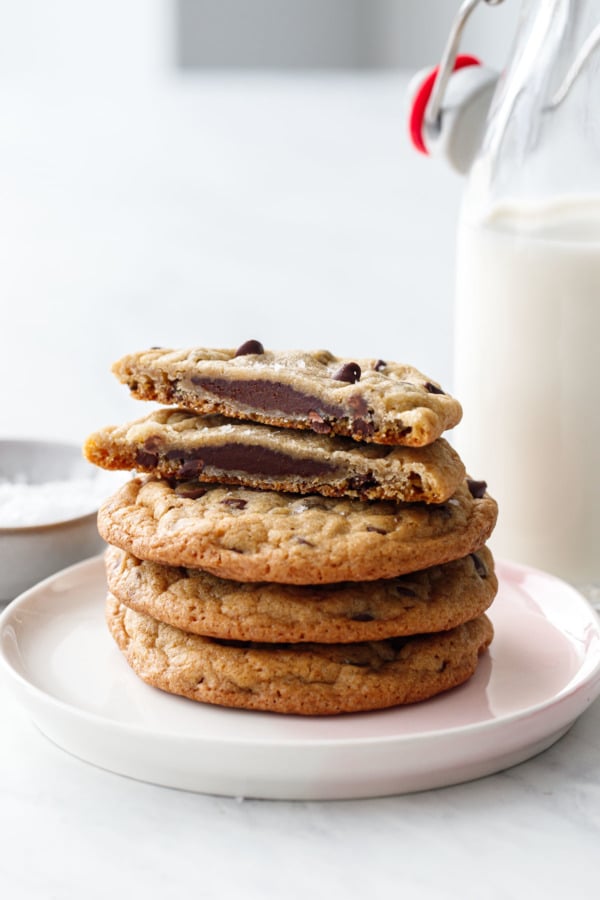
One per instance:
[(370, 400)]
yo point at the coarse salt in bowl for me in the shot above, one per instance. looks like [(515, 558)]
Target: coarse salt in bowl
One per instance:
[(49, 497)]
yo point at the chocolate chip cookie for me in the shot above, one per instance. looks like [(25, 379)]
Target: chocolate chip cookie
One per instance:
[(369, 400), (250, 535), (306, 679), (436, 599), (173, 443)]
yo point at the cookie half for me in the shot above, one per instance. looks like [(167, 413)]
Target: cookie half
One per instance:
[(183, 445), (306, 679), (433, 600), (366, 399), (249, 535)]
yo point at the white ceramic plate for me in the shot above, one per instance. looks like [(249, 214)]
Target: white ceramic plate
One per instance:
[(542, 671)]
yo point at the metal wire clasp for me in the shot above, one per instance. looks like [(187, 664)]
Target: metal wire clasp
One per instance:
[(432, 120), (588, 47)]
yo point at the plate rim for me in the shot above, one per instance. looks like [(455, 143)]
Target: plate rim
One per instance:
[(587, 676)]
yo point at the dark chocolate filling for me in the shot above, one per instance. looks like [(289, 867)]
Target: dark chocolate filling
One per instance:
[(145, 458), (268, 396), (250, 459)]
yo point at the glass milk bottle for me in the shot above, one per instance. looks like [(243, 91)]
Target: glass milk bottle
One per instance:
[(527, 338)]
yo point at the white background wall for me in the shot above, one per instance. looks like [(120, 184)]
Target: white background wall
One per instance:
[(145, 205), (108, 41), (131, 40)]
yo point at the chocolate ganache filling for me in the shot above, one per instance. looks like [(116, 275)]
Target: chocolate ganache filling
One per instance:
[(267, 396), (248, 458)]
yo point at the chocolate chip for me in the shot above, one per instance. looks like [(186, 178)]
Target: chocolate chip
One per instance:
[(379, 365), (317, 423), (404, 591), (433, 388), (250, 347), (349, 372), (479, 566), (145, 459), (362, 428), (358, 405), (477, 488), (362, 617), (376, 530), (191, 468), (234, 503), (397, 643), (190, 490), (362, 482), (152, 443), (301, 540)]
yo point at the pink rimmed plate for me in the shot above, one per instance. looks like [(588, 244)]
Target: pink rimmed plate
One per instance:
[(540, 674)]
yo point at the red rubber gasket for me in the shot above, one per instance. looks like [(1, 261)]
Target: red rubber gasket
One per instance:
[(417, 112)]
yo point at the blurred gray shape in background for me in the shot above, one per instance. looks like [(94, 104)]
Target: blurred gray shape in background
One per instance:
[(333, 34)]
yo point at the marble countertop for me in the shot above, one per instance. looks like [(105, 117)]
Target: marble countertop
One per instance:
[(209, 211), (68, 829)]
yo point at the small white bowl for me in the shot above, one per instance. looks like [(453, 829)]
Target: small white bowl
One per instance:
[(37, 542)]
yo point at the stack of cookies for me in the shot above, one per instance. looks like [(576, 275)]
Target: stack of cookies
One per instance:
[(298, 536)]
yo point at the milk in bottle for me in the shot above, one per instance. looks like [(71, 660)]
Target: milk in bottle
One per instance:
[(526, 371), (527, 340)]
